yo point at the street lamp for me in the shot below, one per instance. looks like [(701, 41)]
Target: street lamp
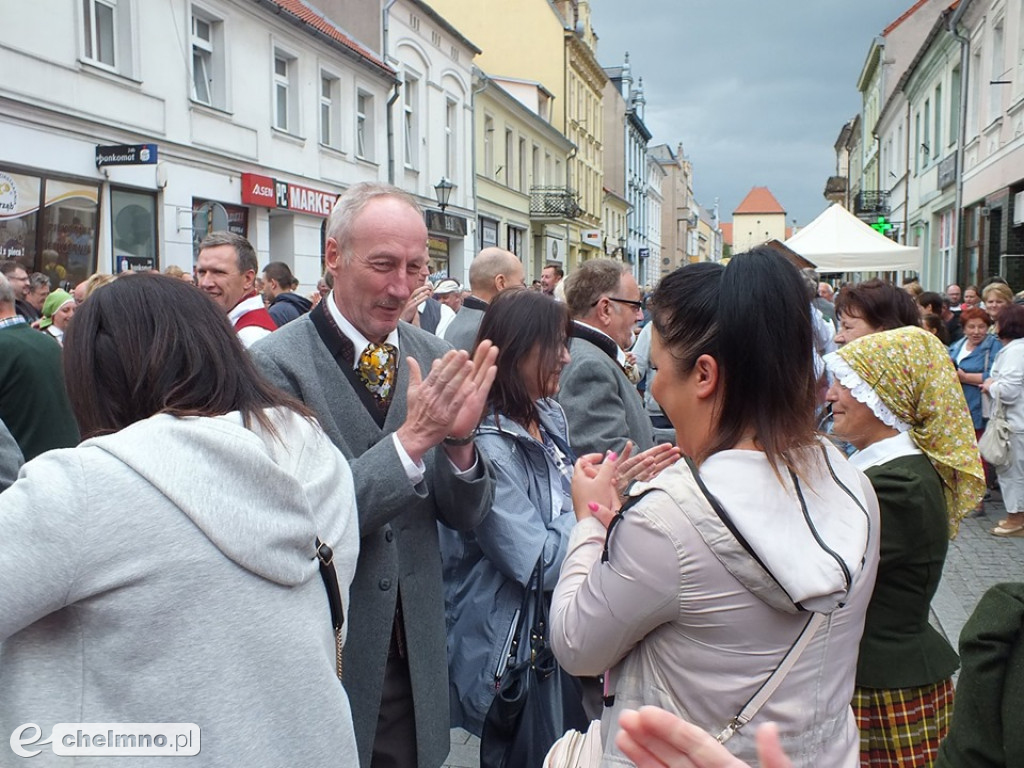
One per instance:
[(443, 190)]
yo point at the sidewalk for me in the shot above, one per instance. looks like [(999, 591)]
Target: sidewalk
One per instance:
[(976, 560)]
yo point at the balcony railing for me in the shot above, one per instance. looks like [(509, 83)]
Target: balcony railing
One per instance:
[(872, 201), (554, 203)]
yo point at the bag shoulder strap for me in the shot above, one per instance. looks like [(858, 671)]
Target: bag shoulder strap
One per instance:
[(330, 576), (751, 708)]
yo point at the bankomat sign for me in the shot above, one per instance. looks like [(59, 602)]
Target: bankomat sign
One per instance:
[(270, 193)]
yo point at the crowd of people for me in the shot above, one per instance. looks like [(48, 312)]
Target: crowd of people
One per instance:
[(315, 526)]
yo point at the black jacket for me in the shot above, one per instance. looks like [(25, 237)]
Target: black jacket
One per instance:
[(288, 306)]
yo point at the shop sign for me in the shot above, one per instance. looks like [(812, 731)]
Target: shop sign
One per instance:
[(271, 193), (591, 237), (947, 171), (449, 223), (643, 253), (125, 154), (258, 190)]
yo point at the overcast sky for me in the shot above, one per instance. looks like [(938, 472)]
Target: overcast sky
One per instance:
[(756, 90)]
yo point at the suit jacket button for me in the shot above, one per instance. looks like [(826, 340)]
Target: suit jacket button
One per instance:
[(389, 535), (385, 584)]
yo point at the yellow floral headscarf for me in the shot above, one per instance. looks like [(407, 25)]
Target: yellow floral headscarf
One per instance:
[(906, 377)]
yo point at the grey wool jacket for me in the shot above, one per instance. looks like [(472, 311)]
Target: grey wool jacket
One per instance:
[(167, 574), (603, 406), (398, 524)]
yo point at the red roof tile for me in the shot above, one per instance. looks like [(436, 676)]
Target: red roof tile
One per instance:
[(301, 11), (726, 232), (760, 200), (906, 15)]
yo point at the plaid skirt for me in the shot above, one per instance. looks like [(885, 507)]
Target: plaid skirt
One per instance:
[(902, 727)]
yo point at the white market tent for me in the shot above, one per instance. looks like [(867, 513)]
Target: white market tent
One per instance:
[(837, 241)]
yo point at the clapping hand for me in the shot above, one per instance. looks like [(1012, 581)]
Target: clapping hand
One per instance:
[(645, 465), (449, 401), (417, 297), (654, 738)]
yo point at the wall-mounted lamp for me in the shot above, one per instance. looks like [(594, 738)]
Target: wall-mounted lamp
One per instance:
[(443, 190)]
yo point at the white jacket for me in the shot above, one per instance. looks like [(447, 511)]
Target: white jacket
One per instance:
[(668, 615)]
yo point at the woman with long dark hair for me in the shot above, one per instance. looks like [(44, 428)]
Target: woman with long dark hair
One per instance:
[(524, 434), (762, 544), (165, 570)]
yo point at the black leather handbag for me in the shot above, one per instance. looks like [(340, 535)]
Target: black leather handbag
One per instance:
[(537, 701)]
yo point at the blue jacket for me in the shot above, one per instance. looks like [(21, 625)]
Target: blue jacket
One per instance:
[(487, 569), (979, 360)]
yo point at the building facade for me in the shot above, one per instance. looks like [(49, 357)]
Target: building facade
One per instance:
[(517, 152), (114, 160), (430, 127), (757, 219)]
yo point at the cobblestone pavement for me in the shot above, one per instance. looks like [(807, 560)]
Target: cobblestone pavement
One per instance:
[(976, 560)]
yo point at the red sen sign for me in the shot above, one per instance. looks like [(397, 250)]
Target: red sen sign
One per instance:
[(258, 190)]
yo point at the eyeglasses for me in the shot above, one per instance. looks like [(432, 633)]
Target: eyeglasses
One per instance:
[(636, 305)]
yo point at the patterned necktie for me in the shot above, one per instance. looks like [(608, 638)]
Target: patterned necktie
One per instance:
[(377, 366)]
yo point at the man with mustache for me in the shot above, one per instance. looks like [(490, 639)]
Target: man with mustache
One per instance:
[(402, 406)]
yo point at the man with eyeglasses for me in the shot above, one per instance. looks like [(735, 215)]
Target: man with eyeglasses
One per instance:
[(17, 275), (602, 405)]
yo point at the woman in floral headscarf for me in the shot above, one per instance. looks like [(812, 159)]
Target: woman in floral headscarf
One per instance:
[(896, 398)]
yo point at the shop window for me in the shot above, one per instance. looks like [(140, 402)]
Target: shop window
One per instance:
[(208, 70), (49, 225), (210, 216), (133, 224), (516, 236), (488, 233)]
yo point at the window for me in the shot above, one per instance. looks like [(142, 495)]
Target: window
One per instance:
[(522, 165), (917, 143), (488, 146), (364, 125), (409, 101), (208, 69), (450, 138), (330, 124), (937, 151), (516, 237), (954, 107), (100, 23), (284, 99), (926, 142), (133, 228), (973, 95), (508, 157), (995, 93), (536, 179)]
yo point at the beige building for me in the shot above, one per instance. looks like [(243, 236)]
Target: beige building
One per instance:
[(613, 219), (678, 206), (757, 219), (551, 42), (518, 150)]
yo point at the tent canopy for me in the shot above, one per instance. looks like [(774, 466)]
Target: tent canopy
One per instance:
[(837, 241)]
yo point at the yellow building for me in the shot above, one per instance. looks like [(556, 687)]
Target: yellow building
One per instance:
[(517, 151), (552, 43)]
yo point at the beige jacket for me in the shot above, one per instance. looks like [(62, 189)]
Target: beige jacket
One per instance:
[(678, 629)]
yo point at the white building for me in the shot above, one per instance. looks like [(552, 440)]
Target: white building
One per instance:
[(257, 114), (655, 200), (431, 127)]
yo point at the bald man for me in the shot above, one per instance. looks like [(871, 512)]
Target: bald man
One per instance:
[(493, 270)]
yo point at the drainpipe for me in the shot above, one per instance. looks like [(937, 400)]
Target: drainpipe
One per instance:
[(906, 182), (389, 117), (965, 58)]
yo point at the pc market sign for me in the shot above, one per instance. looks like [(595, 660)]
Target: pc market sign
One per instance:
[(125, 154)]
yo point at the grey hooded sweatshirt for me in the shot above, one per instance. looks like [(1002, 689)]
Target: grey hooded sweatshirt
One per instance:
[(167, 574)]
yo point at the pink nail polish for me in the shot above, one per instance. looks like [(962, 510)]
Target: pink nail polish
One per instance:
[(613, 455), (592, 506)]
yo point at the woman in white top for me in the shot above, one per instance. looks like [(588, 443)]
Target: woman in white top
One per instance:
[(712, 573)]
